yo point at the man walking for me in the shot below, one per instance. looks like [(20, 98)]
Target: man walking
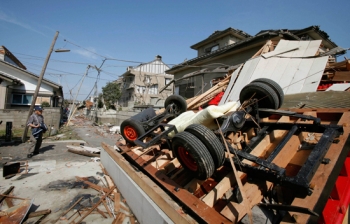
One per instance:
[(36, 122)]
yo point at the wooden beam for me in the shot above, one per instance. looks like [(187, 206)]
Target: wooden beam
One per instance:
[(341, 76), (39, 213), (116, 202)]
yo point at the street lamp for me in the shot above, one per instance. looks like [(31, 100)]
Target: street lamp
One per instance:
[(61, 50), (24, 136)]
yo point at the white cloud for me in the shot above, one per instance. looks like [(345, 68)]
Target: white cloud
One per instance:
[(6, 18), (85, 53)]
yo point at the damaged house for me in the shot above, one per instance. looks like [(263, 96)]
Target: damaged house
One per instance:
[(17, 87), (221, 50), (140, 85)]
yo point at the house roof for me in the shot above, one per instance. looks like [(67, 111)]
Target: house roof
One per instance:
[(260, 36), (9, 78), (55, 85), (228, 48), (218, 33), (7, 52), (322, 34)]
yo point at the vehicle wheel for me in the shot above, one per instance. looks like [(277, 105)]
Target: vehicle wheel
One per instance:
[(131, 130), (211, 141), (144, 115), (275, 86), (179, 103), (193, 155), (266, 96)]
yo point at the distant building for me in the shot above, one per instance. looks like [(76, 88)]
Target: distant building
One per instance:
[(223, 49), (141, 85)]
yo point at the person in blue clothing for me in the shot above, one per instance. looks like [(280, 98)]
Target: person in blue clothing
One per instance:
[(36, 122)]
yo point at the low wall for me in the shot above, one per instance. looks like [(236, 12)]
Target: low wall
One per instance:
[(115, 119), (52, 117)]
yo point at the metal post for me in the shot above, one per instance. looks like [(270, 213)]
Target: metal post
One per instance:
[(70, 111), (24, 136)]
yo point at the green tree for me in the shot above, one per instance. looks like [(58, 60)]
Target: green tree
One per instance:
[(100, 101), (111, 93), (45, 104)]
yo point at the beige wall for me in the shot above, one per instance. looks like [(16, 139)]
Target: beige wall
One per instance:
[(52, 117)]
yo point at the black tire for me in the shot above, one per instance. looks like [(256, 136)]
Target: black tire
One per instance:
[(179, 103), (193, 155), (266, 96), (211, 141), (275, 86), (144, 115), (131, 130)]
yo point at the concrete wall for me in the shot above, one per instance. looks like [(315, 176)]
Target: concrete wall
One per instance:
[(115, 119), (52, 117)]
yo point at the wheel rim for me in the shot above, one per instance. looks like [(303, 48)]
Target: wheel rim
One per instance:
[(186, 158), (130, 133)]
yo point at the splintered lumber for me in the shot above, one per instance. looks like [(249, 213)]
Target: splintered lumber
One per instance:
[(6, 193), (106, 207), (220, 85), (6, 198), (119, 218), (245, 201), (116, 202), (70, 208), (95, 205), (39, 213), (92, 185)]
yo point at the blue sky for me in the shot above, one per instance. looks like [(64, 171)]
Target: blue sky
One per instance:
[(137, 31)]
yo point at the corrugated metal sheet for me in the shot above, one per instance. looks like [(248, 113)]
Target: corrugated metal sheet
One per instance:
[(293, 72)]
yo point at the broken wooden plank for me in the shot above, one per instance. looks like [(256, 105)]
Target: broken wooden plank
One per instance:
[(92, 185), (70, 208), (39, 213), (95, 205), (116, 202), (107, 209), (83, 150), (119, 218), (7, 199)]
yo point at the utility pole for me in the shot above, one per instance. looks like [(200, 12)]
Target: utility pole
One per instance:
[(24, 136), (73, 105)]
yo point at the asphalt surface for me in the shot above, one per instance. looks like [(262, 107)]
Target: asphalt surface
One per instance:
[(51, 180)]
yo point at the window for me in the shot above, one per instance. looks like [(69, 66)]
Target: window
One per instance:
[(167, 81), (153, 89), (211, 49), (22, 99)]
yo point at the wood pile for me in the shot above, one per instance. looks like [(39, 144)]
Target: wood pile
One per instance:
[(335, 73), (109, 204)]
